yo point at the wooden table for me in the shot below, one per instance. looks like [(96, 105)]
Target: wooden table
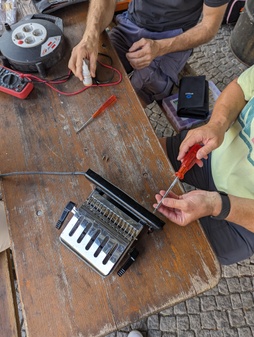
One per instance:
[(61, 296)]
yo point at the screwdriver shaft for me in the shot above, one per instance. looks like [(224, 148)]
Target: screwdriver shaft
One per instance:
[(166, 193), (84, 125)]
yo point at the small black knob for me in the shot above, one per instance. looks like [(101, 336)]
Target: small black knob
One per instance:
[(7, 26)]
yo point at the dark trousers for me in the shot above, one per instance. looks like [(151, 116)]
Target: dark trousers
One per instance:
[(154, 82)]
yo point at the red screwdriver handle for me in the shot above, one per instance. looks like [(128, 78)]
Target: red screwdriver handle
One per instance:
[(109, 101), (189, 160)]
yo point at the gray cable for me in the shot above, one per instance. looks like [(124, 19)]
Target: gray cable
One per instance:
[(10, 174)]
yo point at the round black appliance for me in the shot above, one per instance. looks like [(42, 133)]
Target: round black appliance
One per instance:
[(33, 44)]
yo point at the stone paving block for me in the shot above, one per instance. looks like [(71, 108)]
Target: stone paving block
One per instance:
[(167, 312), (208, 321), (249, 316), (204, 333), (153, 322), (217, 333), (223, 287), (246, 283), (180, 309), (230, 332), (223, 302), (245, 332), (168, 334), (221, 319), (186, 334), (193, 305), (208, 303), (195, 323), (230, 271), (168, 323), (182, 323), (140, 325), (236, 301), (247, 300), (154, 333), (233, 284), (236, 318)]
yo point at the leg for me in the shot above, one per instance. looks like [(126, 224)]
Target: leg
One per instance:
[(231, 242), (122, 36), (156, 81)]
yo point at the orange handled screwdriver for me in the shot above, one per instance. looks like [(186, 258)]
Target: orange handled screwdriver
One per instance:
[(188, 162), (109, 101)]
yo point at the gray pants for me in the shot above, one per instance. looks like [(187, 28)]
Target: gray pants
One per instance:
[(231, 242), (156, 81)]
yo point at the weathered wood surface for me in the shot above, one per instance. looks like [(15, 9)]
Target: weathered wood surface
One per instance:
[(9, 320), (61, 296)]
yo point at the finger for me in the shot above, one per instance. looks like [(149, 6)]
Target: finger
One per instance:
[(158, 197), (185, 146), (204, 151), (93, 64), (137, 45), (199, 163), (72, 63)]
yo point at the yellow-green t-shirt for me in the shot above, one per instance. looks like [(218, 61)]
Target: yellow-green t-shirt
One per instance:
[(233, 161)]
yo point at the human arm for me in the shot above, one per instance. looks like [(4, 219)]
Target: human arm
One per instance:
[(144, 51), (100, 14), (196, 204), (226, 109)]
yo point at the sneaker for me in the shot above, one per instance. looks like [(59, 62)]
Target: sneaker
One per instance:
[(135, 333)]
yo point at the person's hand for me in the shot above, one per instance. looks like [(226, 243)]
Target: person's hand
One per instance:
[(85, 49), (188, 207), (142, 53), (209, 135)]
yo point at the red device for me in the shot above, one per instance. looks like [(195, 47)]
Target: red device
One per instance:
[(15, 84)]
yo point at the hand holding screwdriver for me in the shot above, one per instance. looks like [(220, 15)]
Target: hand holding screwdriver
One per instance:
[(109, 101), (188, 162)]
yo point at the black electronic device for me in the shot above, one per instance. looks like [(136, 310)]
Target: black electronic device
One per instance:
[(14, 84), (34, 44), (103, 230)]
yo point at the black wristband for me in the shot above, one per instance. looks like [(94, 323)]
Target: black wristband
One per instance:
[(225, 209)]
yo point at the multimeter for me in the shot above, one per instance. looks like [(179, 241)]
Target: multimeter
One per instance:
[(14, 84)]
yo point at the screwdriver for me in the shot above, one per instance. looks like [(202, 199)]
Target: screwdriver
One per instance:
[(108, 102), (188, 162)]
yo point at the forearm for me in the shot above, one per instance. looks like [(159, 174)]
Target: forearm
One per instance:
[(228, 106), (241, 211), (99, 16), (202, 33), (197, 204)]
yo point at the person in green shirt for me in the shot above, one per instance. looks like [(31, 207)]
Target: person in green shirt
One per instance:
[(223, 200)]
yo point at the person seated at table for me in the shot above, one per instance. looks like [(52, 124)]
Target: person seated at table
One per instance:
[(4, 234), (225, 163), (154, 39)]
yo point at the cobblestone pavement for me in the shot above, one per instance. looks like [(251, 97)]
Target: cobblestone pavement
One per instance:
[(228, 309)]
